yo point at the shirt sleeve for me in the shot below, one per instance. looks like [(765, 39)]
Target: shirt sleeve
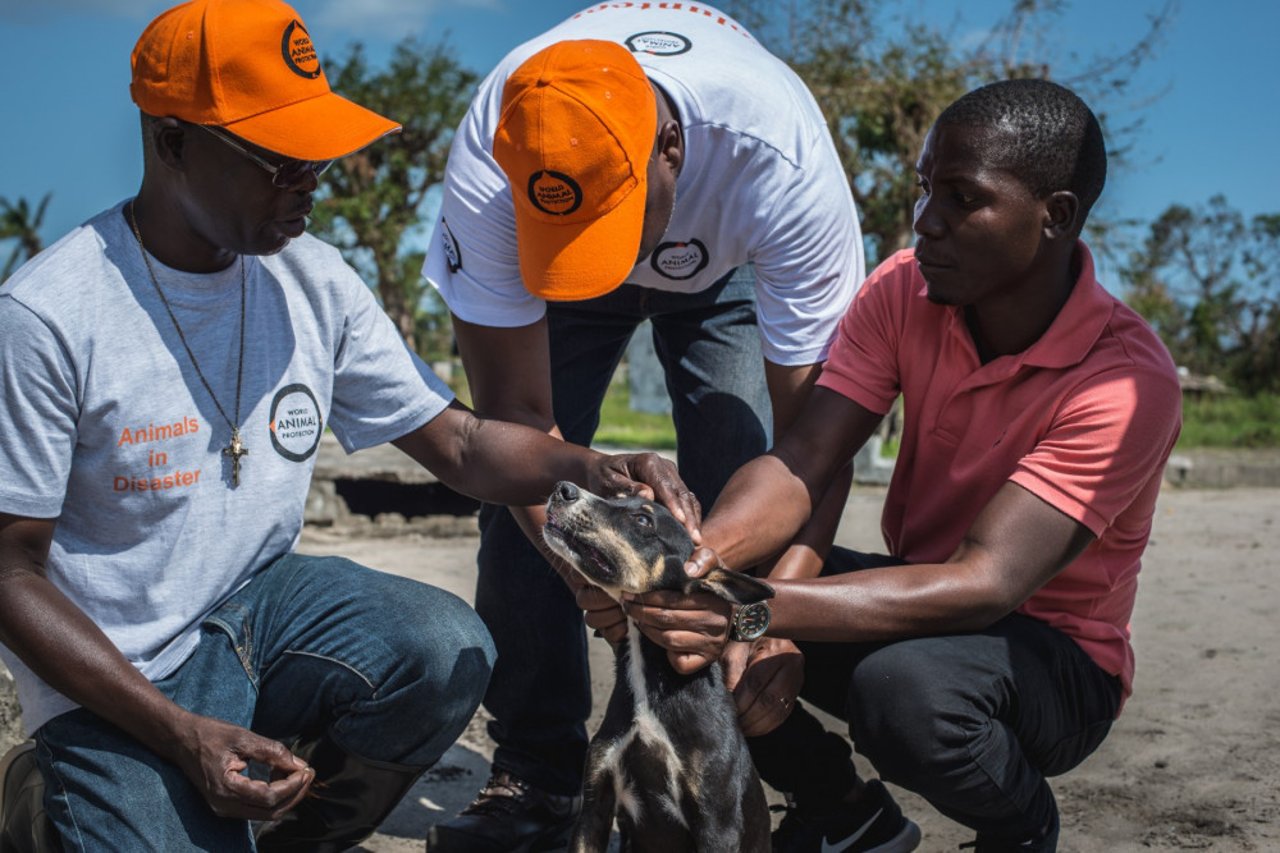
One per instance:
[(1107, 440), (38, 421), (809, 262), (863, 363), (381, 389)]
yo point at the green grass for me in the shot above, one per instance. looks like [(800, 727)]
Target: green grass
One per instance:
[(1231, 422), (621, 427)]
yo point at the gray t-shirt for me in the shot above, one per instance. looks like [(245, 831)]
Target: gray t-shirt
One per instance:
[(106, 426)]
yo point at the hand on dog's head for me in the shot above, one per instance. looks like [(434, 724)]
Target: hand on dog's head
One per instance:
[(629, 544)]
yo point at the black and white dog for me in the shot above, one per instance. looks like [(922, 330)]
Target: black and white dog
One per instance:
[(669, 760)]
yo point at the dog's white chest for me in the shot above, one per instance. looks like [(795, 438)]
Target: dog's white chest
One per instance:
[(648, 731)]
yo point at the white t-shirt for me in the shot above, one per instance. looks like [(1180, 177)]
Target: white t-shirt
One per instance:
[(761, 183), (106, 427)]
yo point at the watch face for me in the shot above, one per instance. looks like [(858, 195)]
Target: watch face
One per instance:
[(751, 621)]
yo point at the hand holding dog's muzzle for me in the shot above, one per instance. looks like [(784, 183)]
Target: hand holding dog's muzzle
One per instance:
[(693, 627)]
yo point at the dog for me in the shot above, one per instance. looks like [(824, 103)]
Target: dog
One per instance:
[(669, 760)]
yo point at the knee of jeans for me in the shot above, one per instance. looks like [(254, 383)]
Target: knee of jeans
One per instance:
[(897, 718), (446, 653)]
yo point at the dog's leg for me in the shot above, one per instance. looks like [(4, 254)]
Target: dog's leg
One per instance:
[(591, 832), (737, 823)]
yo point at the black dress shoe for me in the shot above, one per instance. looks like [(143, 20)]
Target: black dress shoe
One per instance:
[(24, 826), (508, 816)]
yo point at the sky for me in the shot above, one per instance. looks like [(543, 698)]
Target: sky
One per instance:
[(70, 127)]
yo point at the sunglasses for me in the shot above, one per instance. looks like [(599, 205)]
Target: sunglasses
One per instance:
[(290, 173)]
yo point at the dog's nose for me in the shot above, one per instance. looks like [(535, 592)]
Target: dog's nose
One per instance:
[(567, 492)]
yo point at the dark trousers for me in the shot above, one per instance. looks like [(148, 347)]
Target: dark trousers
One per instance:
[(974, 723), (709, 347)]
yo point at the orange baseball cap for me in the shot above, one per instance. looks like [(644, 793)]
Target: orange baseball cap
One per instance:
[(577, 128), (248, 66)]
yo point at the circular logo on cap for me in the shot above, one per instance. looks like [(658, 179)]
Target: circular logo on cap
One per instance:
[(296, 424), (679, 260), (299, 52), (452, 254), (657, 43), (554, 192)]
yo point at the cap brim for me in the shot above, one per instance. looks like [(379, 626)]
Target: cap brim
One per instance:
[(325, 127), (569, 262)]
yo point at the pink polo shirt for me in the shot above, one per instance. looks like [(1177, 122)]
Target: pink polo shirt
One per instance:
[(1084, 419)]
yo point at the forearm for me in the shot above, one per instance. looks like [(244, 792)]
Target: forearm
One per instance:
[(875, 605), (496, 461), (61, 645), (758, 513), (806, 554)]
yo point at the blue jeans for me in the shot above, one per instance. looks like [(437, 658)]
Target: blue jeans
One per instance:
[(709, 347), (974, 723), (388, 668)]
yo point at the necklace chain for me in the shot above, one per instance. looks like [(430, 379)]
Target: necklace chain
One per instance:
[(235, 449)]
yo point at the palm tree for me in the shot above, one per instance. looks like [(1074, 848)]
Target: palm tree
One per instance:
[(18, 223)]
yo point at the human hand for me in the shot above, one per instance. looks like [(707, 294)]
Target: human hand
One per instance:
[(603, 614), (651, 477), (765, 678), (692, 627), (214, 755)]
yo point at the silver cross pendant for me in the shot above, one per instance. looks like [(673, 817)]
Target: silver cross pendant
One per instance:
[(235, 450)]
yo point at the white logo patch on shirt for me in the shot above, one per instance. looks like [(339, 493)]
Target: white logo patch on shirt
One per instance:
[(296, 424), (680, 261), (656, 43)]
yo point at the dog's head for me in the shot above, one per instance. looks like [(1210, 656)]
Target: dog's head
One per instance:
[(633, 545)]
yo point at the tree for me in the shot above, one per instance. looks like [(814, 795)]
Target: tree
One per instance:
[(881, 89), (18, 222), (1205, 278), (369, 204)]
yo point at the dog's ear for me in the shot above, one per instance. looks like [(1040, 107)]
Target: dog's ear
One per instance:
[(731, 586)]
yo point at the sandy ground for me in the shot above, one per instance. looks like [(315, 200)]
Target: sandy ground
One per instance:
[(1194, 762)]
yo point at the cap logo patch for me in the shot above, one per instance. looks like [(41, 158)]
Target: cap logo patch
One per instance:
[(679, 261), (299, 52), (656, 43), (452, 254), (296, 424), (554, 192)]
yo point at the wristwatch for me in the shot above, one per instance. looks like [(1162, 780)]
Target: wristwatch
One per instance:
[(750, 621)]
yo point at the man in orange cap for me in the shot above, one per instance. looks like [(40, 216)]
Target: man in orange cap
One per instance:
[(639, 161), (169, 368)]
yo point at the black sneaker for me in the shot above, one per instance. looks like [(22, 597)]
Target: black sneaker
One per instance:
[(508, 816), (1045, 842), (874, 824)]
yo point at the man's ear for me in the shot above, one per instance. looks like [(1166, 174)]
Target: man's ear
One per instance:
[(1062, 214), (731, 586), (670, 144), (168, 139)]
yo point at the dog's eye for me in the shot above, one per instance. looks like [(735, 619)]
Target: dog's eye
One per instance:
[(644, 519)]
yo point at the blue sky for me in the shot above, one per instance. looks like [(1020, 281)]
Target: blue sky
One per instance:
[(70, 127)]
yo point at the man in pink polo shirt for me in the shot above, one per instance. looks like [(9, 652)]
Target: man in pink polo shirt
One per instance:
[(990, 648)]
